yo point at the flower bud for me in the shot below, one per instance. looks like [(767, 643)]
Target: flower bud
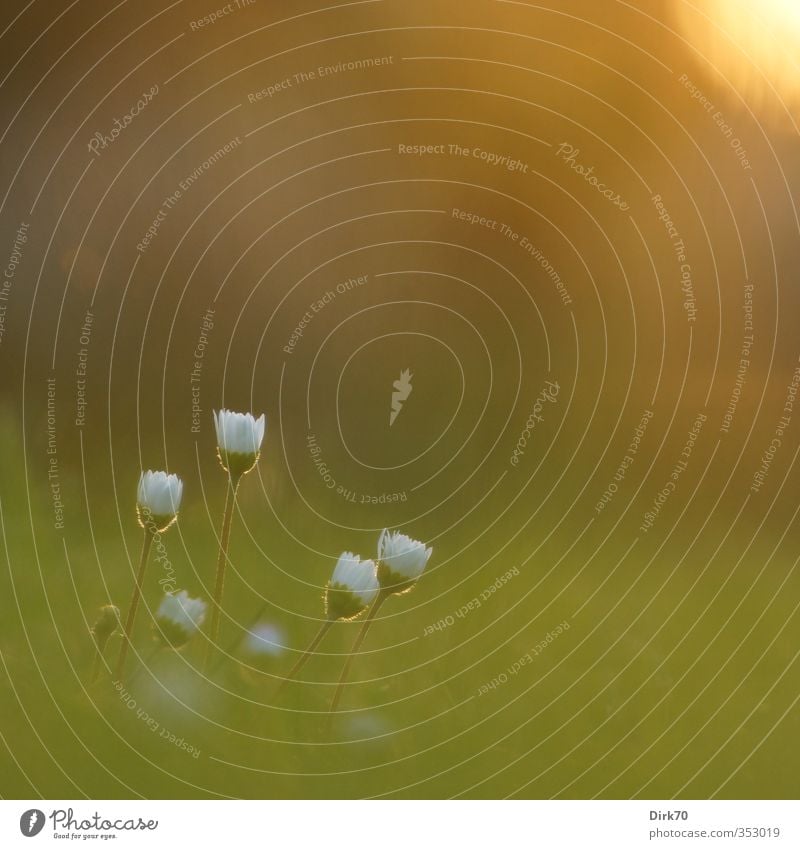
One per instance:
[(179, 618), (352, 587), (159, 499), (401, 561), (106, 624), (239, 438)]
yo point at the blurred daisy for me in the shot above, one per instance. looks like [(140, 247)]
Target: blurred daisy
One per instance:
[(265, 639)]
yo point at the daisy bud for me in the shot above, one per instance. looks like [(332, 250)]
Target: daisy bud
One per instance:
[(239, 438), (159, 500), (179, 618), (353, 587), (401, 561), (106, 624)]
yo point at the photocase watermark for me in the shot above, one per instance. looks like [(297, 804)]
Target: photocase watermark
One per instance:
[(184, 185), (95, 826), (153, 724), (487, 157), (402, 389), (681, 465), (569, 155), (199, 353), (780, 431), (10, 272), (351, 495), (101, 141), (719, 119), (80, 370), (474, 604), (679, 248), (219, 14), (475, 219), (53, 477), (524, 660), (320, 72), (548, 395), (168, 580), (32, 822), (319, 304), (627, 462), (743, 366)]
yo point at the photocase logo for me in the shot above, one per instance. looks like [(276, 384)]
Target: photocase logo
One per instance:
[(31, 822), (402, 389)]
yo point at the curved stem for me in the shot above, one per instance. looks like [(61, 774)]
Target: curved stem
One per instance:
[(305, 656), (222, 560), (137, 594), (98, 660), (382, 596)]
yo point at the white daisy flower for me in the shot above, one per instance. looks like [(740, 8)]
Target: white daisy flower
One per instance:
[(401, 561), (353, 586), (178, 618), (239, 438), (158, 500)]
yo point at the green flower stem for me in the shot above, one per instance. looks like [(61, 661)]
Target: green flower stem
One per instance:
[(305, 656), (222, 560), (379, 600), (137, 594), (98, 660)]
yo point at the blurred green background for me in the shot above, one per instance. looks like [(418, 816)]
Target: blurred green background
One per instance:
[(677, 675)]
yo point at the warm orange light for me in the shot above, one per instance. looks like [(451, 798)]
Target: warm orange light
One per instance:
[(755, 45)]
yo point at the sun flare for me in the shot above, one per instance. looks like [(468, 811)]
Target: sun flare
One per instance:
[(755, 46)]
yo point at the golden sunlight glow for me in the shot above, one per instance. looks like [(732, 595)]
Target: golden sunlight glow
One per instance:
[(755, 45)]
